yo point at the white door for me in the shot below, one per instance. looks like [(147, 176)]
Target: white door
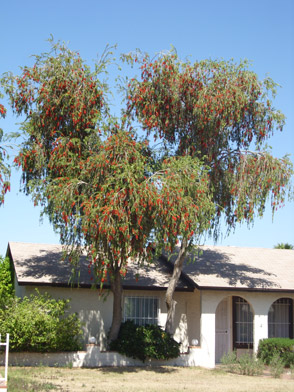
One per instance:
[(222, 329)]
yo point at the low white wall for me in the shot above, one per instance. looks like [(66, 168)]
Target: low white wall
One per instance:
[(93, 358)]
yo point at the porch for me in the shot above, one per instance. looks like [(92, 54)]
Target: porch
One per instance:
[(239, 320)]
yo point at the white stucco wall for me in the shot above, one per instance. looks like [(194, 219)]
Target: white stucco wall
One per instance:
[(187, 319), (95, 311)]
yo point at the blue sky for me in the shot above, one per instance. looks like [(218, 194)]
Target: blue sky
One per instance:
[(261, 31)]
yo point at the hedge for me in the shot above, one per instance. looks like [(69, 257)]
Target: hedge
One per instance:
[(269, 348), (144, 342)]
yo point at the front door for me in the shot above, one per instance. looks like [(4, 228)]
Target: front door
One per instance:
[(222, 329)]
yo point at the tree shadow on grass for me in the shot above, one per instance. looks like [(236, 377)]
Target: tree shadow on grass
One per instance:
[(136, 369)]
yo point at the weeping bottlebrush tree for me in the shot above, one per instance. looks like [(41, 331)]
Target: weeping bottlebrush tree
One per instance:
[(111, 193), (220, 113)]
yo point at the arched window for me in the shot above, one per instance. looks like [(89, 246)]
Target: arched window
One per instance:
[(242, 323), (280, 319)]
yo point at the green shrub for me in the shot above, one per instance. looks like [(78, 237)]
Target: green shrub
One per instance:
[(144, 342), (40, 324), (276, 366), (229, 360), (249, 365), (246, 364), (6, 281), (283, 347)]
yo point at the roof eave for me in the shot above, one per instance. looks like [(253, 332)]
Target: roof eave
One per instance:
[(250, 289), (89, 286)]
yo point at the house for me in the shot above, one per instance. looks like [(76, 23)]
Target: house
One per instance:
[(227, 298)]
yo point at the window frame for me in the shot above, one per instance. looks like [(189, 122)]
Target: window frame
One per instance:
[(236, 345), (281, 301), (141, 319)]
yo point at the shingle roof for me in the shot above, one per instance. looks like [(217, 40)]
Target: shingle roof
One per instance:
[(213, 267), (40, 264), (242, 268)]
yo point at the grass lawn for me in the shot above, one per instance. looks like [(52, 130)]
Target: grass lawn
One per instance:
[(163, 379)]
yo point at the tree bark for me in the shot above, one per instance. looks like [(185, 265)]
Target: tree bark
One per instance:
[(116, 288), (170, 302)]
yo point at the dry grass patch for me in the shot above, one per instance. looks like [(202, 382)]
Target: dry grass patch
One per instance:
[(163, 379)]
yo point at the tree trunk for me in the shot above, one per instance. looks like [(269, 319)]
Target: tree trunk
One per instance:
[(116, 288), (170, 302)]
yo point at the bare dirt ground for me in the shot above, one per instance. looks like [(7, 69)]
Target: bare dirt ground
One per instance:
[(163, 379)]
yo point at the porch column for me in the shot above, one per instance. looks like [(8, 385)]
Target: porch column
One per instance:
[(260, 329), (207, 334)]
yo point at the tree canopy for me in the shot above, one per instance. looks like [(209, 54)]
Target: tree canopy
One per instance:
[(116, 192), (220, 113)]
